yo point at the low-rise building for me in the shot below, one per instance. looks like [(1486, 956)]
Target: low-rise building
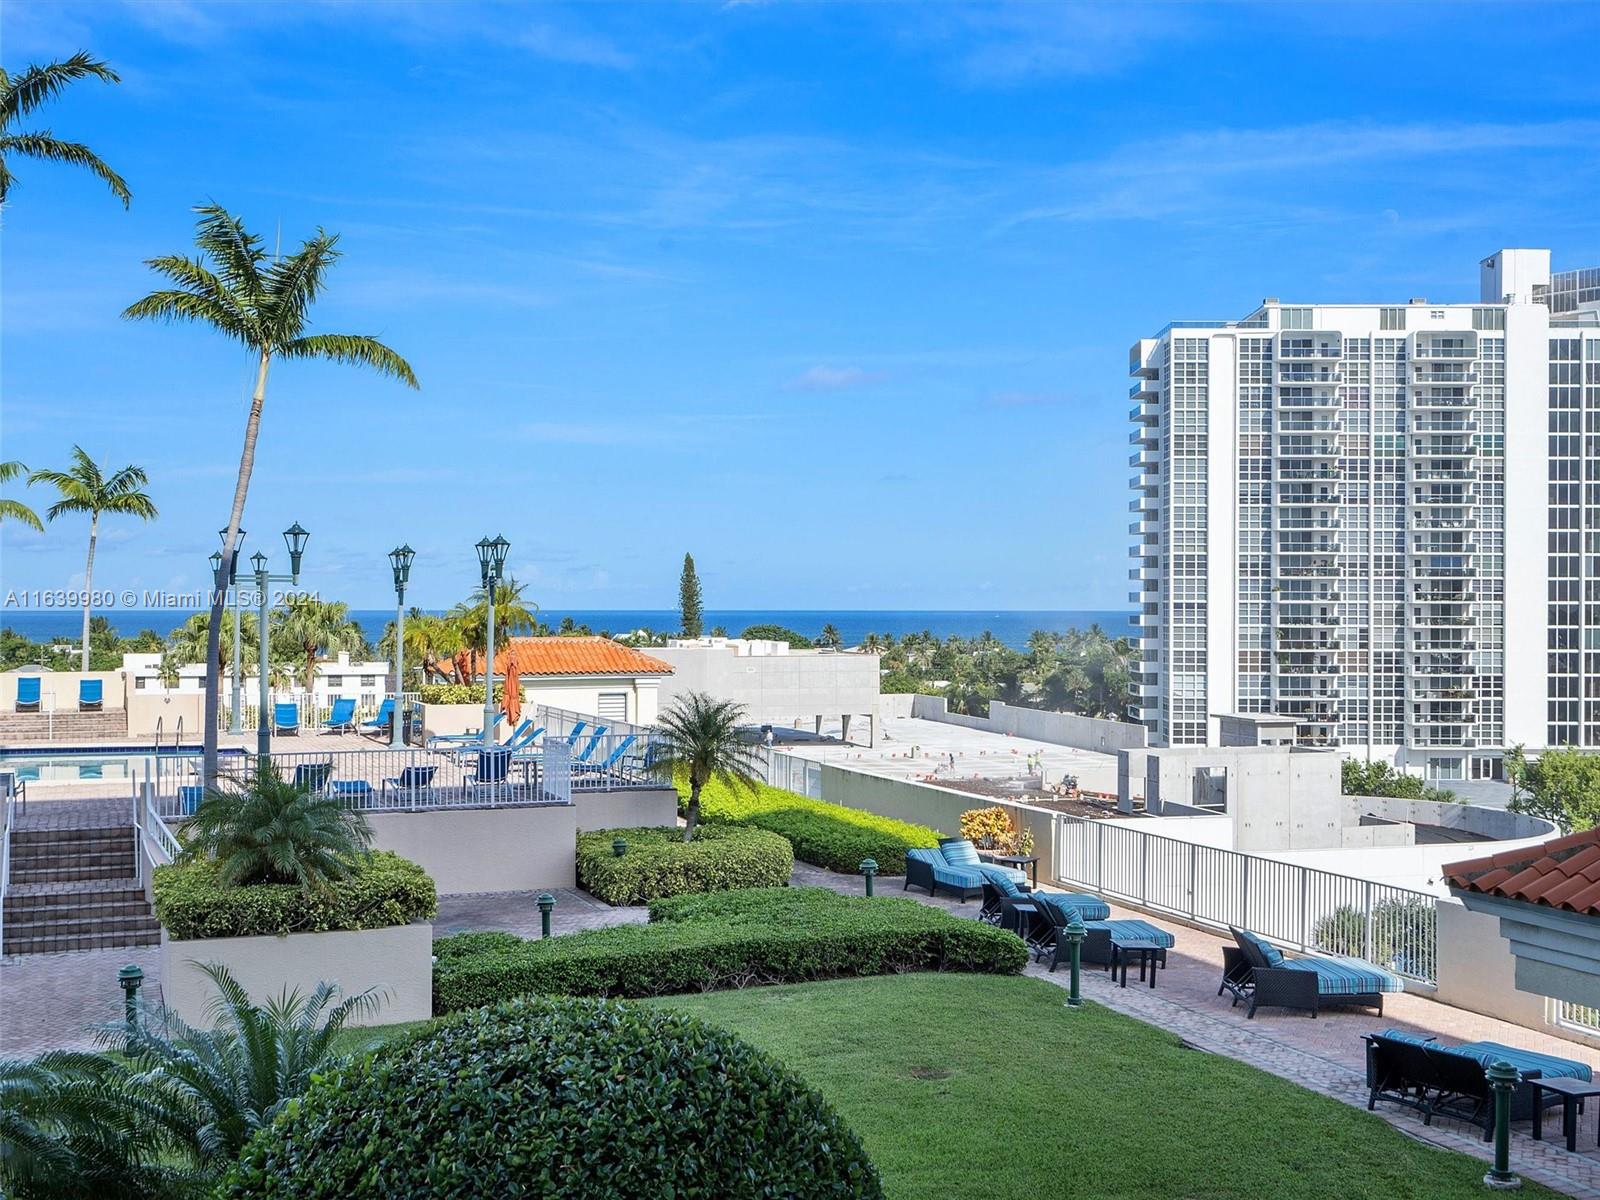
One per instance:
[(365, 681)]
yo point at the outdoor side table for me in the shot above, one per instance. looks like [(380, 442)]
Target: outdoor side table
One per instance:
[(1573, 1093), (1148, 953), (1019, 861)]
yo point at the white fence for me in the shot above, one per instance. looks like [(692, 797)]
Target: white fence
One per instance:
[(794, 774), (1295, 906)]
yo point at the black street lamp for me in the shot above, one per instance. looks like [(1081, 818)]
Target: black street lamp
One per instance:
[(294, 538), (491, 563), (400, 562)]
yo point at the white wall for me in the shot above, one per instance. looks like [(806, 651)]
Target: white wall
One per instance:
[(1038, 724), (58, 690), (780, 689)]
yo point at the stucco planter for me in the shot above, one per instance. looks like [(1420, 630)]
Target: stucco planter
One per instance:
[(398, 961)]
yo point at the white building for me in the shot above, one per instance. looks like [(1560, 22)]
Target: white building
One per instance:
[(1381, 520), (365, 682)]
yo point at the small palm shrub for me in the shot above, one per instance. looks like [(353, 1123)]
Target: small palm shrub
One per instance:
[(699, 740), (559, 1098), (270, 831)]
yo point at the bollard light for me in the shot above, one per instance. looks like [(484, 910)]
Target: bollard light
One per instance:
[(1503, 1079), (619, 846), (869, 868), (131, 978), (547, 904), (1075, 933)]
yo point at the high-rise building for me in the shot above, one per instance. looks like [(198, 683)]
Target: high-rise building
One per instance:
[(1382, 520)]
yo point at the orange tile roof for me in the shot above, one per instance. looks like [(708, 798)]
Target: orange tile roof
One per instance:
[(1562, 873), (576, 656)]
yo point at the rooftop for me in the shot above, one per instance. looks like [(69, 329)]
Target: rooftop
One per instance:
[(572, 656), (1563, 873)]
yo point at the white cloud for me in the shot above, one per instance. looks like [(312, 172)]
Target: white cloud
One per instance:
[(569, 46), (823, 378)]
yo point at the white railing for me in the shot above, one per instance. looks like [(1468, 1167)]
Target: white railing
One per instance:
[(1294, 906), (607, 762), (1578, 1016), (794, 774), (157, 844), (8, 816)]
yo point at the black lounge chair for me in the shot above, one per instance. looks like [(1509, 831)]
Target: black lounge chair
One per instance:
[(1449, 1081), (1309, 983)]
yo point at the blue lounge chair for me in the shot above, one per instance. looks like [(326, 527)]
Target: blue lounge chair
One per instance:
[(492, 766), (28, 694), (91, 695), (609, 760), (411, 783), (286, 717), (526, 734), (312, 777), (955, 866), (357, 791), (380, 723), (577, 731), (189, 797), (588, 748), (1258, 973), (343, 716), (441, 741)]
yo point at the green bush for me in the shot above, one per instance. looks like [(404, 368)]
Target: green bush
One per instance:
[(558, 1099), (721, 940), (456, 693), (660, 863), (826, 835), (387, 890)]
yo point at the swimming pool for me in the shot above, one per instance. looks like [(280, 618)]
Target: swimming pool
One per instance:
[(46, 765)]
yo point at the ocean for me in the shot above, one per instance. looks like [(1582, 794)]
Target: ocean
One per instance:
[(1011, 627)]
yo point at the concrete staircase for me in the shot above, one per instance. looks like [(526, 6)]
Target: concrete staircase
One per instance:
[(69, 728), (73, 882)]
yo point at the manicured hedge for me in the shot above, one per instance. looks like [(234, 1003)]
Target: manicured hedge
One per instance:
[(827, 835), (660, 863), (563, 1100), (721, 940), (388, 890)]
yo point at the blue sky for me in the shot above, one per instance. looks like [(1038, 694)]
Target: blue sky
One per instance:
[(839, 298)]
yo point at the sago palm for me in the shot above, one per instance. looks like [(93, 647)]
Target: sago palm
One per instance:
[(698, 737), (87, 490), (19, 96), (263, 302), (270, 831), (16, 510), (311, 628)]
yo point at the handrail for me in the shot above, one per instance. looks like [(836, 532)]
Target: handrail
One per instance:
[(160, 720), (5, 859), (159, 836), (177, 734)]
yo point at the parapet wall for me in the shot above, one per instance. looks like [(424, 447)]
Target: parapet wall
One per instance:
[(1039, 725)]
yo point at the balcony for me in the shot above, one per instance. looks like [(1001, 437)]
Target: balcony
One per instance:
[(1427, 572), (1145, 483), (1285, 524), (1305, 447), (1322, 400), (1305, 593), (1459, 545), (1445, 398), (1439, 520), (1145, 436), (1434, 448), (1292, 373), (1432, 373), (1302, 545), (1457, 498), (1316, 424), (1436, 620), (1318, 620), (1304, 474), (1146, 414), (1444, 474), (1437, 424)]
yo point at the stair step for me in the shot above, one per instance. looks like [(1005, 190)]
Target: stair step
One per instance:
[(27, 838), (91, 941), (73, 874), (76, 908), (87, 891), (87, 866), (91, 855), (77, 926)]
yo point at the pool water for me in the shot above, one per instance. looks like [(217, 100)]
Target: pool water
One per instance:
[(47, 765)]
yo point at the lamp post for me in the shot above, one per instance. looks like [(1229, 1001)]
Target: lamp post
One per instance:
[(491, 562), (235, 715), (400, 559), (295, 538)]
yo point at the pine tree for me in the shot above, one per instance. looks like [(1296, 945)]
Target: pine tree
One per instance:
[(689, 605)]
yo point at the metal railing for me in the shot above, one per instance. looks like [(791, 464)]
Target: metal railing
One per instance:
[(607, 762), (8, 816), (1294, 906), (156, 844)]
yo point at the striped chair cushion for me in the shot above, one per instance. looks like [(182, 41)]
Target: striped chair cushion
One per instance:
[(1088, 908), (958, 877), (1135, 930), (1268, 951), (1548, 1065), (1346, 976), (1003, 883), (959, 852), (932, 857), (1402, 1035)]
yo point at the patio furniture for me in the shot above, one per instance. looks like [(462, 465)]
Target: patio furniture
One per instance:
[(381, 722), (960, 852), (1572, 1093), (588, 748), (286, 718), (491, 767), (577, 730), (312, 777), (28, 694), (342, 718), (1308, 983), (609, 760), (1146, 950), (350, 789), (1018, 862), (1100, 932), (929, 869), (189, 797), (91, 695), (522, 737), (411, 784), (450, 739)]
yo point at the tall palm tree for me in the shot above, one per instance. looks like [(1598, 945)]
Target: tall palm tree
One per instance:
[(16, 510), (35, 86), (187, 643), (512, 615), (264, 303), (88, 490), (699, 738), (315, 628)]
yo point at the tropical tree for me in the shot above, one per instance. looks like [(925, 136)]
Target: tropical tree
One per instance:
[(315, 629), (16, 510), (1560, 785), (188, 642), (698, 738), (270, 831), (434, 641), (512, 616), (829, 636), (691, 610), (263, 302), (34, 87), (87, 490)]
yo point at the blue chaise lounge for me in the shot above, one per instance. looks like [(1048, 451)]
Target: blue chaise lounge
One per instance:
[(956, 867), (1258, 973)]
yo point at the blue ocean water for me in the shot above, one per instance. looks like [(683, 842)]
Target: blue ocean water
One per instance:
[(1011, 627)]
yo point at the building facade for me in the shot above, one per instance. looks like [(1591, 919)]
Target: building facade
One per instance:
[(1382, 521)]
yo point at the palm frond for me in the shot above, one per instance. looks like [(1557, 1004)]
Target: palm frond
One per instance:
[(15, 510), (39, 84), (43, 146), (236, 254), (195, 278), (293, 284), (171, 306), (358, 349)]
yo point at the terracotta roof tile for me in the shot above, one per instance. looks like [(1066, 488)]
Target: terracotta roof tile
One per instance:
[(1561, 873), (538, 656)]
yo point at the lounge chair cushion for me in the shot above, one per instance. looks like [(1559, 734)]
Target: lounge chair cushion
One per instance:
[(943, 873), (1132, 929), (1003, 883), (1088, 907), (959, 852), (1547, 1065), (1414, 1039), (1345, 976), (1266, 949)]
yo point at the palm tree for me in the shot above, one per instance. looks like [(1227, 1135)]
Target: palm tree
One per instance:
[(270, 831), (264, 305), (188, 642), (830, 636), (16, 510), (35, 86), (85, 488), (512, 615), (699, 737), (314, 628)]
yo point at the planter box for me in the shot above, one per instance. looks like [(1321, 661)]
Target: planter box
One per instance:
[(398, 961)]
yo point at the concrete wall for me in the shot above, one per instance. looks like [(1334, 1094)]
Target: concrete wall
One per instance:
[(1039, 725), (144, 711), (58, 690), (896, 704), (786, 689), (1477, 970), (397, 960), (630, 809), (1493, 823)]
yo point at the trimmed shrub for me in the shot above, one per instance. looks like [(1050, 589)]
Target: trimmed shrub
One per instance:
[(826, 835), (387, 890), (558, 1099), (660, 863), (456, 693), (723, 940)]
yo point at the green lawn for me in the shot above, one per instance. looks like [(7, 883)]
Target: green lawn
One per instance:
[(989, 1087)]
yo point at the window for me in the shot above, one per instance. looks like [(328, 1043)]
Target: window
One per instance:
[(334, 681), (139, 683), (1391, 318), (1296, 318), (1488, 318), (369, 681)]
